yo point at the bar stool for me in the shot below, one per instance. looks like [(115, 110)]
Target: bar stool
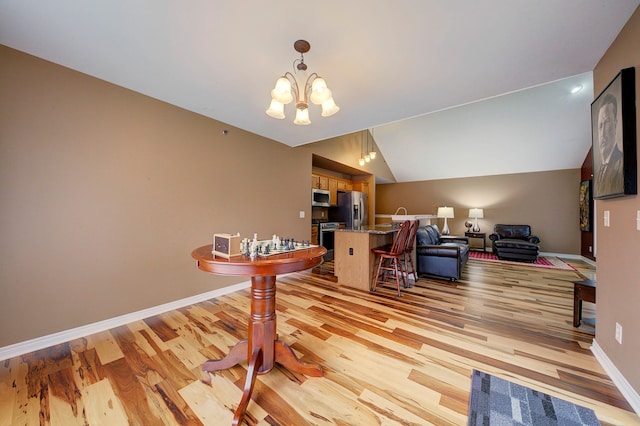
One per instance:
[(408, 251), (390, 259)]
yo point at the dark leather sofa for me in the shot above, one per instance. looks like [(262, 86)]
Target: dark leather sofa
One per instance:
[(515, 242), (438, 255)]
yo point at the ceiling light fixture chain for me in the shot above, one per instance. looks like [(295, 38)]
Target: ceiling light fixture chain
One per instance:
[(314, 89), (367, 157), (362, 160)]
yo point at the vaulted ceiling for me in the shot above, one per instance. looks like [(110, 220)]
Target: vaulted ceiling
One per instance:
[(475, 86)]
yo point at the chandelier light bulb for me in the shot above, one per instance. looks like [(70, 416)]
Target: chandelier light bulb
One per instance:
[(361, 161), (372, 154), (367, 158)]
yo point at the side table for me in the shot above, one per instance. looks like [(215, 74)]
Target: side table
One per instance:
[(582, 290), (482, 235), (262, 348)]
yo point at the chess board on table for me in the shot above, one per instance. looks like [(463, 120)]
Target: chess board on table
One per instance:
[(279, 249)]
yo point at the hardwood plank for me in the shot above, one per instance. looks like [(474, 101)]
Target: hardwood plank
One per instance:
[(65, 392), (8, 389), (386, 360), (106, 348), (131, 393), (102, 405)]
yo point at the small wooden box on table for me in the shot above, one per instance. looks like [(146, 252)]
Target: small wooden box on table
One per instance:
[(582, 290)]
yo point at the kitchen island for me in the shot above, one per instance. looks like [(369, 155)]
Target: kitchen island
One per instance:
[(353, 260)]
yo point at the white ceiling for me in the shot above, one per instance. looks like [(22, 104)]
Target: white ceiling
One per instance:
[(384, 61), (541, 128)]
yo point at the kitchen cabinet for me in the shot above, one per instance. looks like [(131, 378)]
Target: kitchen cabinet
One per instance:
[(361, 186), (335, 184), (324, 182), (314, 234), (345, 185), (318, 181), (333, 191), (332, 184)]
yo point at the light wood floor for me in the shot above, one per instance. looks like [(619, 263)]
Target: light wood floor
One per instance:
[(386, 360)]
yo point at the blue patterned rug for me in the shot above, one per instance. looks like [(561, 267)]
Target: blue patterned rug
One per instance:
[(496, 401)]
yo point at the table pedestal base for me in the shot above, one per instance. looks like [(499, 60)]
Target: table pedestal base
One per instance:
[(262, 348)]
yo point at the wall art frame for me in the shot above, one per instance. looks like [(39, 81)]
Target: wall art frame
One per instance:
[(585, 205), (613, 137)]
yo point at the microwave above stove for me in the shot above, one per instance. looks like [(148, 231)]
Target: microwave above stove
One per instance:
[(320, 197)]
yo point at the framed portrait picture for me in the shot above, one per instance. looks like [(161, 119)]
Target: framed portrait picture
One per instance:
[(585, 205), (613, 134)]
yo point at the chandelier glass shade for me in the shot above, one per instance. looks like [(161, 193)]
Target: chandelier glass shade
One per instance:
[(303, 88)]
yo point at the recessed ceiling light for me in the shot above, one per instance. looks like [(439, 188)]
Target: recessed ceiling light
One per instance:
[(576, 89)]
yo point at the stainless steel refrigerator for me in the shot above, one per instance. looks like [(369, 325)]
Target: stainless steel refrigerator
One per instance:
[(352, 209)]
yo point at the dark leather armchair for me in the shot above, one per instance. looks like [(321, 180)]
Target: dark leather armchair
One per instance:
[(441, 256), (515, 242)]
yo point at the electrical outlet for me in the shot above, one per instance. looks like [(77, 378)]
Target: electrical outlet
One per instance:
[(301, 214), (638, 220), (618, 333), (607, 220)]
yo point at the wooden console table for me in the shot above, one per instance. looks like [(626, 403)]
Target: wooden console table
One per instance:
[(479, 235), (261, 349), (582, 290)]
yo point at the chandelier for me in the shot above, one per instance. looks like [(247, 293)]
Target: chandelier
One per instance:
[(304, 88), (368, 155)]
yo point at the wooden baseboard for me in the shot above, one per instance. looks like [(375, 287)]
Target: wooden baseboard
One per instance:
[(22, 348)]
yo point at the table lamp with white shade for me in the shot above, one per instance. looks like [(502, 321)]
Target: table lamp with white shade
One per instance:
[(476, 214), (446, 213)]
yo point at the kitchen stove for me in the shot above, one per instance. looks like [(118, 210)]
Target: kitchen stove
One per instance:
[(326, 233)]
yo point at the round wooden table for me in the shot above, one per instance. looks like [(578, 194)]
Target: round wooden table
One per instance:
[(262, 348)]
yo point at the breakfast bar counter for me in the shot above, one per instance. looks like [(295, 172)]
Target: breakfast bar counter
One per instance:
[(353, 260)]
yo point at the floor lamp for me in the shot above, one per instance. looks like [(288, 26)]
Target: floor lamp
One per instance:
[(446, 213)]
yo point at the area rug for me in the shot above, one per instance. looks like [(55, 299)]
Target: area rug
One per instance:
[(495, 401), (542, 262)]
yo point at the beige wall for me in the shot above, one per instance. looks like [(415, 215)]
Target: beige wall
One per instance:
[(548, 201), (105, 192), (618, 246)]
